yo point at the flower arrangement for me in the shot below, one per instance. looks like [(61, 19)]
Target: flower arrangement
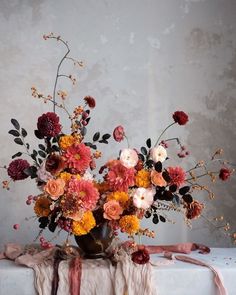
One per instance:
[(138, 183)]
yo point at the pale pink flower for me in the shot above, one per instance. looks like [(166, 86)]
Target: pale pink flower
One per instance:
[(158, 154), (143, 198), (129, 158), (43, 174)]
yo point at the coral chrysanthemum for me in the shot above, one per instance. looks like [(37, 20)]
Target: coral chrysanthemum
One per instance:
[(84, 225), (120, 178), (129, 224), (177, 175), (42, 207), (85, 192), (78, 156)]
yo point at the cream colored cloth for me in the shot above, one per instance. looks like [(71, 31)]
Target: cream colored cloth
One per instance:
[(99, 276)]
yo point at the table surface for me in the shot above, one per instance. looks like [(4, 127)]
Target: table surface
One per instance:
[(178, 278)]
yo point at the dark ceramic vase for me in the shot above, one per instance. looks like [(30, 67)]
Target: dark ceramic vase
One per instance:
[(95, 243)]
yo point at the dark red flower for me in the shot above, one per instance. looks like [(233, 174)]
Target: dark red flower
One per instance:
[(180, 117), (90, 101), (16, 169), (54, 164), (141, 256), (119, 133), (194, 209), (48, 125), (224, 173)]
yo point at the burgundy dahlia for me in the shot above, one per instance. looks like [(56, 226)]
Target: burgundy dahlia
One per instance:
[(180, 117), (90, 101), (48, 125), (141, 256), (16, 169), (54, 164), (224, 173)]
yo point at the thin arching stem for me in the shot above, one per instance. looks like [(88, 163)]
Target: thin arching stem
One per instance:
[(58, 70), (163, 133)]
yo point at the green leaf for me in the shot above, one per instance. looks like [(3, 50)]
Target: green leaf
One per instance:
[(143, 150), (31, 171), (162, 218), (42, 154), (42, 147), (38, 134), (106, 136), (23, 132), (141, 157), (55, 148), (184, 190), (187, 198), (149, 143), (96, 136), (16, 155), (35, 153), (83, 131), (155, 219), (15, 123), (14, 133), (103, 141), (18, 141)]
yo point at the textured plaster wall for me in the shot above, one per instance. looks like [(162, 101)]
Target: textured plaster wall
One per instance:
[(143, 60)]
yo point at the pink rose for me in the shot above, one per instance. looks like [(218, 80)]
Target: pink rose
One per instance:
[(112, 210), (119, 133), (55, 188)]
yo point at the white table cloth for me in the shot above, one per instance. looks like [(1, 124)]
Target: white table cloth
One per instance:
[(178, 278)]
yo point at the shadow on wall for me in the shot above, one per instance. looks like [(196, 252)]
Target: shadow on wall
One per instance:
[(215, 128)]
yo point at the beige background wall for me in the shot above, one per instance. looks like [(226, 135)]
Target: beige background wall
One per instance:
[(144, 59)]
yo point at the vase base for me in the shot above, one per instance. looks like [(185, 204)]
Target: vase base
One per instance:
[(95, 255)]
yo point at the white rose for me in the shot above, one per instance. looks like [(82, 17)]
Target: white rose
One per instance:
[(143, 198), (158, 154), (129, 158)]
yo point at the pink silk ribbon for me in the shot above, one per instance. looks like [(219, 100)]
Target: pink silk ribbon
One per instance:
[(75, 272), (185, 248)]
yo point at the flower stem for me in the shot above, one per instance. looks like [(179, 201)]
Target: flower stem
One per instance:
[(163, 133), (127, 140)]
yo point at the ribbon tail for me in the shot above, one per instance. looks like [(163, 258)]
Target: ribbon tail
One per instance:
[(218, 278)]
